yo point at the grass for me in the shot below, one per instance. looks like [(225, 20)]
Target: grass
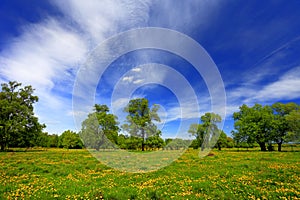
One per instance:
[(76, 174)]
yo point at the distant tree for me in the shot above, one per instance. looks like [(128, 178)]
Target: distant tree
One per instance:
[(139, 119), (178, 143), (70, 140), (293, 121), (254, 124), (155, 141), (230, 142), (42, 139), (222, 140), (168, 140), (207, 132), (195, 144), (18, 125), (53, 140), (197, 130), (100, 129), (134, 143), (281, 125)]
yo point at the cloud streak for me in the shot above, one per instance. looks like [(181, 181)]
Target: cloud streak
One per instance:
[(47, 55)]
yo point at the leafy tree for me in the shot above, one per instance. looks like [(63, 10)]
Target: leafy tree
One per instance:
[(18, 125), (53, 140), (197, 130), (70, 140), (207, 131), (168, 140), (178, 143), (133, 143), (42, 139), (155, 141), (293, 121), (222, 140), (139, 119), (229, 142), (281, 125), (100, 129), (254, 124)]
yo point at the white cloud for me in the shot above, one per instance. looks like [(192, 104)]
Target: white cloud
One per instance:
[(286, 88), (137, 69), (127, 79), (47, 54), (138, 81)]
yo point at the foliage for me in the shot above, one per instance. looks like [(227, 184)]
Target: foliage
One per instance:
[(70, 140), (177, 144), (207, 132), (139, 119), (293, 121), (18, 125), (222, 140), (100, 129), (267, 124), (254, 124), (281, 124)]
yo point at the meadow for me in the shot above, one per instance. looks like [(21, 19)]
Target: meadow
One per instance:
[(76, 174)]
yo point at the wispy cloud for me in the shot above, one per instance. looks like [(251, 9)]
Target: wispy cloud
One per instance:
[(285, 88), (47, 55)]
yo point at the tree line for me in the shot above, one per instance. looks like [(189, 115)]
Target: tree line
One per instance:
[(257, 125)]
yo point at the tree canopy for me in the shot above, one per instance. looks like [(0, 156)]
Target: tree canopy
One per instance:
[(140, 119), (18, 124), (266, 124), (100, 129), (207, 132)]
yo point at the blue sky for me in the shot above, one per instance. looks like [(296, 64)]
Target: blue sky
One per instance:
[(254, 44)]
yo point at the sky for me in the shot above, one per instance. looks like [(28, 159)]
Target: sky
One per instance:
[(254, 45)]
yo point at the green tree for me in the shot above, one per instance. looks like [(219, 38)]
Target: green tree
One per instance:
[(230, 142), (18, 125), (155, 141), (70, 140), (139, 119), (293, 121), (281, 122), (42, 139), (222, 140), (100, 129), (53, 140), (207, 132), (254, 124)]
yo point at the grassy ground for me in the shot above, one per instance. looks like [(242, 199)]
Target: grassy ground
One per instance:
[(76, 174)]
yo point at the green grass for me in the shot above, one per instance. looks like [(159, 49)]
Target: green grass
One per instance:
[(76, 174)]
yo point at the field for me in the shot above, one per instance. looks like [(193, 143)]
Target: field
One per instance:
[(76, 174)]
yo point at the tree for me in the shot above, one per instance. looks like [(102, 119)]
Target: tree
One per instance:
[(230, 142), (293, 121), (282, 123), (207, 131), (53, 140), (100, 129), (139, 119), (254, 124), (197, 130), (70, 140), (222, 140), (18, 125), (155, 141)]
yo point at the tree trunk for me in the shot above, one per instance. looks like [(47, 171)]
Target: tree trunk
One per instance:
[(143, 142), (279, 146), (219, 147), (2, 147), (263, 146)]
